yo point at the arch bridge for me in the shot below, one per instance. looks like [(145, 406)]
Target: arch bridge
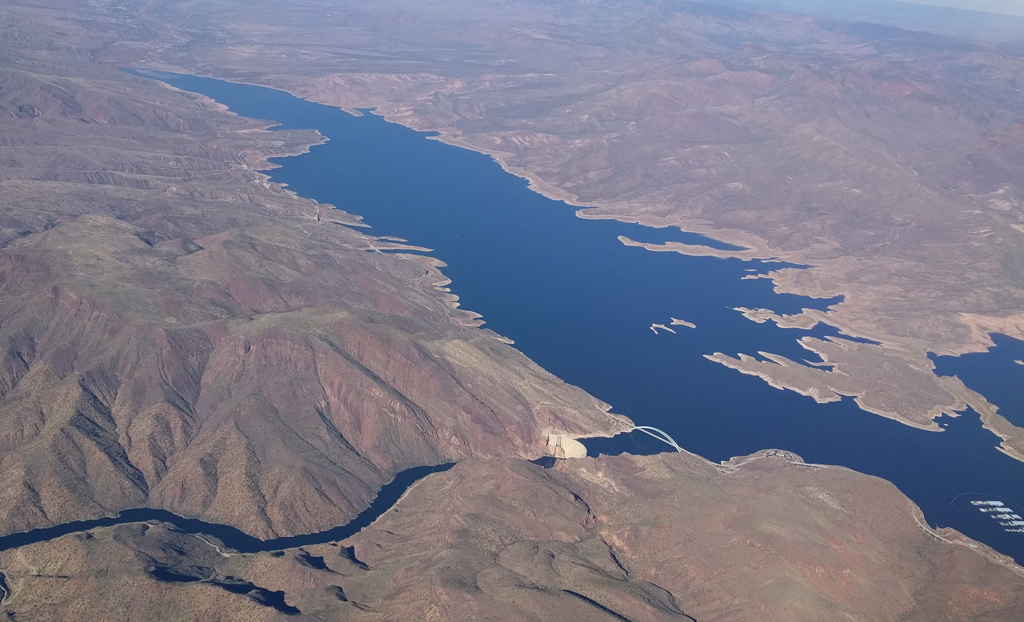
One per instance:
[(661, 435)]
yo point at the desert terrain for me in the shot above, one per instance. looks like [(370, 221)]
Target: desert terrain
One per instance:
[(180, 333), (886, 160), (154, 286), (667, 537)]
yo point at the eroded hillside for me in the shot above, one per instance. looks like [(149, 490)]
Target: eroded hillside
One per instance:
[(180, 333), (887, 160), (666, 537)]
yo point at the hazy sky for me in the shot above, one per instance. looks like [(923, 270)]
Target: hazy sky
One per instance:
[(1008, 7)]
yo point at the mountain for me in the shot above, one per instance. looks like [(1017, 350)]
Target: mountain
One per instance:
[(668, 537), (179, 333)]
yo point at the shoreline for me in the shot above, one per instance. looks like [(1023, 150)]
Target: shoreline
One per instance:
[(755, 248), (454, 312), (982, 326)]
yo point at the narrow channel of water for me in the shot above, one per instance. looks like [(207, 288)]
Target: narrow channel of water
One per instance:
[(580, 303), (233, 538)]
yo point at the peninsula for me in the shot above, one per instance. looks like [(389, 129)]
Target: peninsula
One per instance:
[(182, 332)]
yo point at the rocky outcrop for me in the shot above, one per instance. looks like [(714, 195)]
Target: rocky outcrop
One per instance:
[(668, 537), (187, 336)]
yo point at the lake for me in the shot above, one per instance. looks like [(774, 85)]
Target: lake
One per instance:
[(998, 374), (580, 303)]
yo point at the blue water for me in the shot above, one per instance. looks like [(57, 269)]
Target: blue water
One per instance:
[(579, 303), (233, 537), (996, 374)]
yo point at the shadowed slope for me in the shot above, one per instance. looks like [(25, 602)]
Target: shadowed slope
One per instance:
[(179, 333), (667, 537)]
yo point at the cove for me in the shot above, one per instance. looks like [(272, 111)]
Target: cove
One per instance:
[(233, 538), (995, 373), (580, 304)]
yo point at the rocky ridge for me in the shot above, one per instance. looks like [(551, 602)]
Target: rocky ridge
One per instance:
[(668, 537), (180, 333)]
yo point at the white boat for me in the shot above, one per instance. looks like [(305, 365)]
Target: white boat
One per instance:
[(1013, 523), (986, 502)]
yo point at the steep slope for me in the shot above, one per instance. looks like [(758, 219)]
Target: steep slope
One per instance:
[(666, 537), (178, 332), (886, 160)]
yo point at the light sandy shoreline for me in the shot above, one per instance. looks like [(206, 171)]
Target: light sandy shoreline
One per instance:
[(696, 250), (817, 386), (755, 248), (755, 245), (432, 264)]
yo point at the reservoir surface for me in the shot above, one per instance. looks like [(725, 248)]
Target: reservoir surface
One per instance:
[(998, 374), (580, 303)]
